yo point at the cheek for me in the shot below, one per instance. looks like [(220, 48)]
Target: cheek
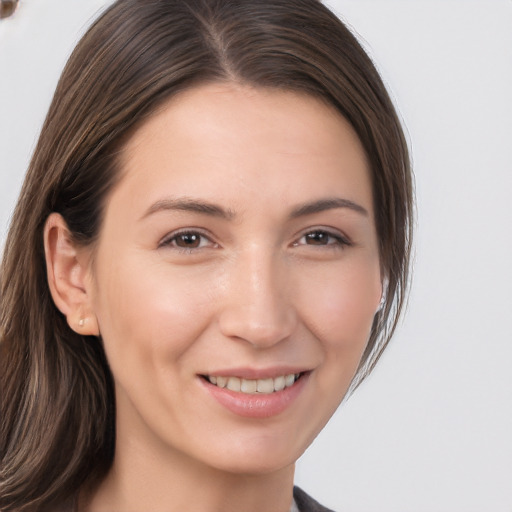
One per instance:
[(338, 305), (341, 303), (150, 317)]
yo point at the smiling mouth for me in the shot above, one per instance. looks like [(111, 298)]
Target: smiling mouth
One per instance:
[(254, 386)]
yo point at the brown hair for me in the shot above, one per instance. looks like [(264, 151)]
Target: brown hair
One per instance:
[(57, 406)]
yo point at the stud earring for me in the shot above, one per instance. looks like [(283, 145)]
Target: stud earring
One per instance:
[(81, 322), (7, 8)]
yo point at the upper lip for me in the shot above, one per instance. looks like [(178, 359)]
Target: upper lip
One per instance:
[(257, 373)]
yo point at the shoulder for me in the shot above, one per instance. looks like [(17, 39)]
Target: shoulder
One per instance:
[(306, 503)]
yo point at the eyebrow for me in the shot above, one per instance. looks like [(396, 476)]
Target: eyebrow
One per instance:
[(186, 204), (205, 208), (327, 204)]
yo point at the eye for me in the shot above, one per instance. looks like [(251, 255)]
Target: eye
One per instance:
[(187, 240), (322, 237)]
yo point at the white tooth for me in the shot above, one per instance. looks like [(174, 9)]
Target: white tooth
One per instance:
[(279, 383), (233, 384), (289, 380), (248, 386), (221, 382), (265, 385)]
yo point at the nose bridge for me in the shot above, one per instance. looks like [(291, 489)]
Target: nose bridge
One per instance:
[(258, 306)]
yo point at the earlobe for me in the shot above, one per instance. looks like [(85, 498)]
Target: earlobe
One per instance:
[(67, 271)]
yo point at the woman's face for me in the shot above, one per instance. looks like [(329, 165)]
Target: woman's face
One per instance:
[(239, 249)]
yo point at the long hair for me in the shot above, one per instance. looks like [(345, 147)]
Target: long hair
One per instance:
[(57, 400)]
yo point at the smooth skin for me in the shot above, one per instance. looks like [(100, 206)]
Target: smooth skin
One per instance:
[(240, 238)]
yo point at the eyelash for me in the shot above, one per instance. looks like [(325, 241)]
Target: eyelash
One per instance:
[(170, 241), (337, 240)]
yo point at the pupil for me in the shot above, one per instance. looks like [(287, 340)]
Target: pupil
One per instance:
[(317, 238), (188, 240)]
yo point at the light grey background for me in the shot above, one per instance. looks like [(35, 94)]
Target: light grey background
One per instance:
[(431, 429)]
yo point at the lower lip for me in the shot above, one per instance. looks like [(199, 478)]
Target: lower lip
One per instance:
[(257, 405)]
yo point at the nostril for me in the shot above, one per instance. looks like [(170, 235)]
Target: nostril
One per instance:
[(261, 327)]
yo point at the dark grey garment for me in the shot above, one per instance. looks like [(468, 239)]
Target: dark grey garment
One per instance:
[(306, 503)]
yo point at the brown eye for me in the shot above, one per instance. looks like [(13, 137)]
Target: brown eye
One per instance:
[(7, 8), (321, 237), (188, 240), (318, 238)]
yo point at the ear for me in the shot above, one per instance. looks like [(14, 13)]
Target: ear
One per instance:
[(68, 274)]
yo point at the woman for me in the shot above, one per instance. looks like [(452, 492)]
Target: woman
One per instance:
[(210, 248)]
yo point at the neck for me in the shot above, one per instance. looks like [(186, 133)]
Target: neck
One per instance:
[(170, 481)]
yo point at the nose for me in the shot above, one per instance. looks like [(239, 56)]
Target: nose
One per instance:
[(258, 305)]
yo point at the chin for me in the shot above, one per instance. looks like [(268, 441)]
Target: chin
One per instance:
[(257, 456), (250, 466)]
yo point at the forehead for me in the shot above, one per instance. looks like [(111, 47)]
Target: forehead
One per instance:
[(223, 140)]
